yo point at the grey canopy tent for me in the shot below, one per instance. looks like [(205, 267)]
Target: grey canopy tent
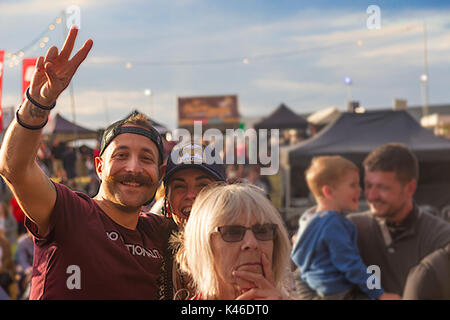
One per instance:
[(282, 118), (355, 135)]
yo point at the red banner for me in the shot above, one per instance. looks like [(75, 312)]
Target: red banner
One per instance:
[(2, 56), (28, 65)]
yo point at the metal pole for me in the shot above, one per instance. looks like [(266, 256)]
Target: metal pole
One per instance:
[(349, 98), (105, 105), (71, 92), (72, 101), (426, 78), (151, 105), (149, 93)]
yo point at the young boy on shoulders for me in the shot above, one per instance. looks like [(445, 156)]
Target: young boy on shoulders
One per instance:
[(326, 249)]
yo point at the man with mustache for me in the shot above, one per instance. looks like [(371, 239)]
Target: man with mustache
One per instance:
[(101, 248), (394, 234)]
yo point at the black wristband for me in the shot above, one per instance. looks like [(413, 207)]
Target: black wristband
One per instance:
[(26, 126), (37, 104)]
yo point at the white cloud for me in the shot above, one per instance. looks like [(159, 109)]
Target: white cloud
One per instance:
[(97, 108), (102, 60), (398, 45), (309, 21), (302, 88), (20, 8), (328, 37)]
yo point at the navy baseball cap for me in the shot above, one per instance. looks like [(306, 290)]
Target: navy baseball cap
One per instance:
[(193, 156)]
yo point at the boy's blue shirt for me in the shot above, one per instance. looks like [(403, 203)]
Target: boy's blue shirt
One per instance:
[(328, 256)]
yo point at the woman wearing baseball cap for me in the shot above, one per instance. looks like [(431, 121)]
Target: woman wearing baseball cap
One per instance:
[(188, 171)]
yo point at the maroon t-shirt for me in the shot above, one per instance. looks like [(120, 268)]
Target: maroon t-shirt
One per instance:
[(86, 255)]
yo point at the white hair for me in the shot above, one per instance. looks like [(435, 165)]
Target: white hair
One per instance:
[(222, 204)]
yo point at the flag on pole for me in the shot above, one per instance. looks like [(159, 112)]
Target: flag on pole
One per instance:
[(2, 56), (28, 65)]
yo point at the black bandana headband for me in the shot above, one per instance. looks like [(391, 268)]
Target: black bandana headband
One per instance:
[(115, 129)]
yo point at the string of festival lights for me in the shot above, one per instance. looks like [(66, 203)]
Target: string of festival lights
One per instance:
[(13, 59)]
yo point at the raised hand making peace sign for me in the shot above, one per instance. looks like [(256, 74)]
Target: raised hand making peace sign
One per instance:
[(18, 152), (54, 72)]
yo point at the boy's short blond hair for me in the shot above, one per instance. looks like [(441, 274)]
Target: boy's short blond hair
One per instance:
[(327, 171)]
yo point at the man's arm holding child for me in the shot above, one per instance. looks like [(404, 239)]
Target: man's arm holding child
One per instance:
[(345, 257)]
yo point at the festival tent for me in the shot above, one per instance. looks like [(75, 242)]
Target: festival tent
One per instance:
[(282, 118), (354, 135), (61, 128), (324, 116), (321, 118)]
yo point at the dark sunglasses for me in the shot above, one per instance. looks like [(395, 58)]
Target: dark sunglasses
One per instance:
[(235, 233)]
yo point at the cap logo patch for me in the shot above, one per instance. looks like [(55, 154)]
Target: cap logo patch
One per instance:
[(192, 153)]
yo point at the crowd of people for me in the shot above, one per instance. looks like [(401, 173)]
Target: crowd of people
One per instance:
[(174, 226), (394, 236), (17, 242)]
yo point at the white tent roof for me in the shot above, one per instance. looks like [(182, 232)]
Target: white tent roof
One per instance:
[(324, 116)]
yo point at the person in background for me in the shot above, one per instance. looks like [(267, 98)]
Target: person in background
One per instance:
[(8, 222), (18, 215), (186, 175), (326, 250), (57, 152), (254, 177), (69, 158), (43, 159), (393, 235), (23, 259), (7, 268), (430, 279)]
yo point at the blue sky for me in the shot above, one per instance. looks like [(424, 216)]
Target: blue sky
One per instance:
[(298, 52)]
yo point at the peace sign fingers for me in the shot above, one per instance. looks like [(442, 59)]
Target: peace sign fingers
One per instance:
[(58, 69), (79, 57), (69, 43)]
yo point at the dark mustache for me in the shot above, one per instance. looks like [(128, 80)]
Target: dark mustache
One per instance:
[(129, 177)]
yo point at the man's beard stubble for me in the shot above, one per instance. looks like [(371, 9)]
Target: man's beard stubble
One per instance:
[(391, 211)]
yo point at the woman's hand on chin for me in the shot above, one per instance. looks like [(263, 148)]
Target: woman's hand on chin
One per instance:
[(264, 288)]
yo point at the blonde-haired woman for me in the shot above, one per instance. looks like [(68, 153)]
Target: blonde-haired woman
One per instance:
[(235, 245)]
